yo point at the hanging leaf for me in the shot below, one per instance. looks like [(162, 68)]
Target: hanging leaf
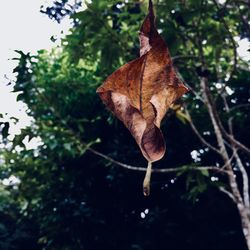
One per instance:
[(140, 92)]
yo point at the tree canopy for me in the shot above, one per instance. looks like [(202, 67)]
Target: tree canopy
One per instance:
[(69, 197)]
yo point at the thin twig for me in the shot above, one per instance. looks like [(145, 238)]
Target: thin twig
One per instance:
[(246, 105), (199, 135), (228, 193), (230, 119), (225, 166), (175, 58), (157, 170)]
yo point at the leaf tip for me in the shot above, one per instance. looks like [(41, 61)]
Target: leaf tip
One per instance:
[(146, 191)]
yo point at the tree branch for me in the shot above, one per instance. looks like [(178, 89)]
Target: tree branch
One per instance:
[(231, 138), (162, 170), (245, 180), (237, 157), (246, 105), (175, 58), (229, 194), (126, 166), (199, 135), (220, 132)]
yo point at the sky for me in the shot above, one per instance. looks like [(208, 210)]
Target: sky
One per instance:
[(23, 27)]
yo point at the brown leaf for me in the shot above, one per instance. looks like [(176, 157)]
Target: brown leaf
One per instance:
[(140, 92)]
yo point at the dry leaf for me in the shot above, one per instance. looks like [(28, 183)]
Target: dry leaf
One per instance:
[(140, 92)]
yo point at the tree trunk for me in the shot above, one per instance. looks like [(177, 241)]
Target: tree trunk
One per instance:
[(242, 207)]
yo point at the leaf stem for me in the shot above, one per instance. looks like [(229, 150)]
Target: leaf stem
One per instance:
[(147, 178)]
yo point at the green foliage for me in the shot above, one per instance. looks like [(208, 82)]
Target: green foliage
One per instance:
[(69, 198), (5, 129)]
